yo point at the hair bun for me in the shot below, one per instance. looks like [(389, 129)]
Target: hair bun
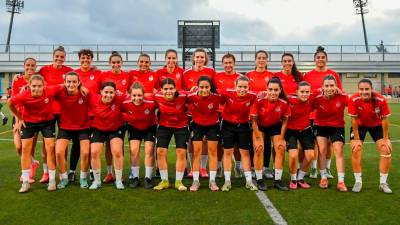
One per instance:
[(114, 53), (320, 49)]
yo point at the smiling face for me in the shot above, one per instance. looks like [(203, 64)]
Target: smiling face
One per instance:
[(107, 94), (287, 64), (168, 90), (137, 96), (29, 67), (58, 58), (199, 59), (273, 91), (329, 88), (261, 60), (144, 64), (320, 60), (242, 87), (116, 64), (304, 92), (171, 60), (365, 91), (229, 65), (36, 86), (72, 83), (204, 88), (85, 61)]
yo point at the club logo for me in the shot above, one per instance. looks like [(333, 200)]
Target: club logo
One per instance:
[(247, 104), (277, 109), (377, 110), (80, 101), (123, 82), (113, 107), (46, 100), (151, 78), (147, 112), (210, 106), (178, 106), (91, 77), (178, 75), (338, 104)]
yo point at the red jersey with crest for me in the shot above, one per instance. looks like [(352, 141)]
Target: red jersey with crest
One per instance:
[(300, 113), (74, 111), (288, 82), (122, 80), (90, 79), (224, 81), (204, 109), (270, 113), (237, 108), (172, 113), (107, 117), (368, 113), (140, 116), (18, 85), (258, 80), (176, 75), (54, 76), (149, 80), (330, 112), (37, 109), (190, 77)]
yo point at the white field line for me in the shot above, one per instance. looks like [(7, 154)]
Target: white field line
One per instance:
[(270, 208)]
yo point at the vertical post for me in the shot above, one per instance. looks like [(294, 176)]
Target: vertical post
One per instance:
[(365, 32), (382, 82), (183, 46), (213, 43), (97, 50), (10, 27)]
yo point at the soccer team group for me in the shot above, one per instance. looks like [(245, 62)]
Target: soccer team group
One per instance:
[(215, 117)]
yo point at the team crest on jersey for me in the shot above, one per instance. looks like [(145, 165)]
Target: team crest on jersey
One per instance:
[(151, 78), (377, 110), (80, 101), (113, 107), (210, 106), (178, 106), (147, 112), (123, 82), (91, 77), (338, 104), (46, 100), (178, 75), (277, 109), (247, 104), (360, 108)]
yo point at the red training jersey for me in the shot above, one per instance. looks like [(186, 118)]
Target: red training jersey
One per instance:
[(288, 82), (368, 113), (190, 77), (122, 80), (300, 113), (74, 111), (37, 109), (330, 112), (237, 108), (90, 79), (54, 76), (149, 80), (176, 75), (258, 80), (172, 113), (204, 109), (107, 117), (270, 113), (140, 116), (316, 78)]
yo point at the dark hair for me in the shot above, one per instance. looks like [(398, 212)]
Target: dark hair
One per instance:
[(241, 78), (144, 55), (276, 80), (329, 77), (86, 52), (228, 55), (209, 80), (108, 83), (59, 48), (200, 50), (73, 73), (302, 84), (321, 49), (169, 81), (137, 85), (29, 58), (114, 53), (295, 72)]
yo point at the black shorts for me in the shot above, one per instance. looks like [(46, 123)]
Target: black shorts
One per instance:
[(210, 132), (103, 136), (332, 133), (305, 137), (236, 134), (47, 128), (74, 134), (164, 135), (271, 130), (375, 132), (148, 134)]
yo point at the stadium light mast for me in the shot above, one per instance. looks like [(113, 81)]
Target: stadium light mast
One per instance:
[(13, 6), (360, 6)]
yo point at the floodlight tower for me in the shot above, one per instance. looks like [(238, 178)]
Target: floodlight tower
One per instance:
[(360, 6), (13, 6)]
